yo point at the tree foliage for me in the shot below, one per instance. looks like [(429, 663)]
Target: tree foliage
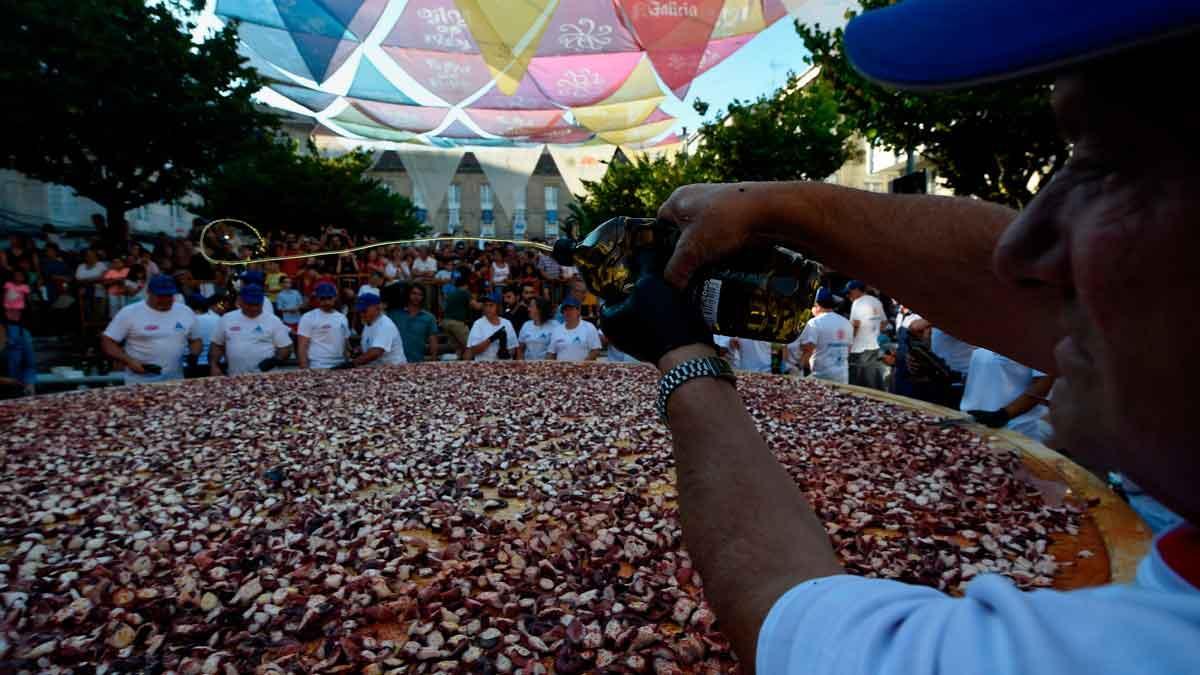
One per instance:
[(794, 133), (114, 98), (274, 186), (988, 142)]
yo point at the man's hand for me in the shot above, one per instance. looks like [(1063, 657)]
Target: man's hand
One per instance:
[(135, 367), (652, 321), (717, 220), (268, 364), (990, 418)]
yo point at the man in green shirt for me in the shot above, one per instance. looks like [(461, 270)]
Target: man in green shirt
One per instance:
[(418, 328), (456, 311)]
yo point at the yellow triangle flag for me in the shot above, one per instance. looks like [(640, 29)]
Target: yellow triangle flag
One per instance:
[(508, 33)]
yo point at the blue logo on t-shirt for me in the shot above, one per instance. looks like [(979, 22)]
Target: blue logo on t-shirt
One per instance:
[(258, 329), (178, 326)]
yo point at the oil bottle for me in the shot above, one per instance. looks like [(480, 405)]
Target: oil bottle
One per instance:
[(760, 294)]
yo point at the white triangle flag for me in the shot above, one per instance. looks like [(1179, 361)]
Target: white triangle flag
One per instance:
[(508, 170), (582, 162), (431, 171)]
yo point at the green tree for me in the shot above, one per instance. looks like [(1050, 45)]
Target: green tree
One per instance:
[(795, 133), (634, 187), (988, 142), (116, 100), (273, 186)]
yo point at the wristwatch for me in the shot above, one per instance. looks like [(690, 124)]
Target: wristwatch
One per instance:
[(706, 366)]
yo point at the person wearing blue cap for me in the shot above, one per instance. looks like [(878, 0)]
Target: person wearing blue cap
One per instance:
[(824, 344), (207, 319), (491, 335), (866, 316), (250, 340), (152, 337), (574, 339), (257, 278), (381, 341), (1071, 285), (324, 332)]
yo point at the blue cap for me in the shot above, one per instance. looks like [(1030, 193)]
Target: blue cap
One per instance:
[(854, 285), (162, 284), (571, 301), (254, 277), (494, 296), (929, 44), (325, 290), (367, 300), (827, 299), (252, 294)]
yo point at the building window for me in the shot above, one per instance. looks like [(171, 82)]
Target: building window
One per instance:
[(61, 204), (873, 186), (454, 202), (518, 221), (551, 197), (485, 197)]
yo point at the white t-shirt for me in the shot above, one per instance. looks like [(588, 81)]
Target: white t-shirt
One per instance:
[(248, 341), (573, 344), (829, 333), (151, 336), (205, 326), (427, 266), (848, 625), (327, 333), (483, 329), (868, 312), (536, 339), (752, 355), (994, 381), (955, 352), (93, 273), (383, 335), (499, 274)]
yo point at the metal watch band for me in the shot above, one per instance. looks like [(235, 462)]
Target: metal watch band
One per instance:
[(706, 366)]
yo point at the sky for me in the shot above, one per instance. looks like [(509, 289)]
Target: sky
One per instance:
[(759, 68)]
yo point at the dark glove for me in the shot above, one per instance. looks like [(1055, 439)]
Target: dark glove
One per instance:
[(501, 335), (990, 418), (344, 365), (268, 364), (192, 359), (652, 321), (152, 368)]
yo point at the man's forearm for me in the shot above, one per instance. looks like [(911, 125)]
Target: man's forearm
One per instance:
[(302, 350), (1033, 396), (593, 354), (939, 259), (114, 351), (748, 528), (368, 356), (433, 349), (215, 352)]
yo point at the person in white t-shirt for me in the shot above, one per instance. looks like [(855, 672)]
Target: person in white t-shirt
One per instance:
[(1003, 393), (534, 338), (248, 338), (743, 354), (257, 278), (500, 272), (323, 332), (425, 266), (866, 316), (574, 339), (824, 344), (374, 283), (955, 352), (382, 344), (206, 324), (491, 334), (156, 333)]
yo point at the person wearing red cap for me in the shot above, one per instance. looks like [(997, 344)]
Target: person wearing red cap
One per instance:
[(1073, 286)]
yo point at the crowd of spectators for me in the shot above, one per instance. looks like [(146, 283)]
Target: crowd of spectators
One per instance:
[(55, 284)]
